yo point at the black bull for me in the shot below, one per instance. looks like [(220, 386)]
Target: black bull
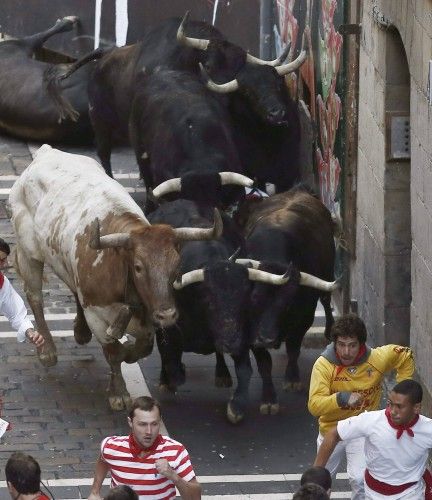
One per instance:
[(26, 108), (257, 93), (179, 130), (289, 229), (214, 299)]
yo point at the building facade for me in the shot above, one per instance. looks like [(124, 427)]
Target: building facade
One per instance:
[(391, 271)]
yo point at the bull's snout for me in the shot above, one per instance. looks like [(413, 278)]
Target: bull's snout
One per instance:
[(277, 115), (165, 317)]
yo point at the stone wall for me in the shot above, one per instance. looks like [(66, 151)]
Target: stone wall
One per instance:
[(392, 273)]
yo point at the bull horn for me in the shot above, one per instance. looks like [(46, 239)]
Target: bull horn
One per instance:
[(294, 65), (223, 88), (314, 282), (198, 233), (279, 60), (234, 255), (98, 242), (245, 262), (194, 276), (195, 43), (169, 186), (265, 277), (235, 178)]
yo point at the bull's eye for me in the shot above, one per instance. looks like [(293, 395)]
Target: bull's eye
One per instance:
[(138, 268)]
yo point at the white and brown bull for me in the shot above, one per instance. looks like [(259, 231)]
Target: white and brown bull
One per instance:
[(122, 280)]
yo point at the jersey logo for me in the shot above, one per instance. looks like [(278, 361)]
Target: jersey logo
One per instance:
[(399, 349), (352, 369), (369, 371)]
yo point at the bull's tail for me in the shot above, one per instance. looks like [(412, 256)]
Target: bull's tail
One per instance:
[(53, 77), (338, 233)]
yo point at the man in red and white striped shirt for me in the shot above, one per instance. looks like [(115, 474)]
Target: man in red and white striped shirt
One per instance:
[(151, 464)]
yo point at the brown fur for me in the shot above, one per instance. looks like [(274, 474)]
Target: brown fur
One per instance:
[(274, 210), (152, 247)]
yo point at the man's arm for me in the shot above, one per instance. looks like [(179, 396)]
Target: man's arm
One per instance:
[(189, 490), (321, 400), (101, 470), (13, 307), (329, 443), (395, 357)]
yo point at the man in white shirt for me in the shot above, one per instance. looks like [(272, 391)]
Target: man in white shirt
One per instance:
[(12, 306), (397, 443)]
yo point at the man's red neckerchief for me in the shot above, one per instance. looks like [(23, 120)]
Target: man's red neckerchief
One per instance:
[(361, 353), (401, 427), (136, 448)]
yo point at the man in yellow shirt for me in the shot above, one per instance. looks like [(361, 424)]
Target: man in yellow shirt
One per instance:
[(346, 380)]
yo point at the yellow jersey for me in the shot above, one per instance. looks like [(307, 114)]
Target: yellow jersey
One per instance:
[(331, 383)]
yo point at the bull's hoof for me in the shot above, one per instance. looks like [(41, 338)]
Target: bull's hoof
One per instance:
[(72, 19), (47, 358), (233, 415), (269, 408), (82, 333), (119, 402), (167, 389), (223, 381), (292, 386)]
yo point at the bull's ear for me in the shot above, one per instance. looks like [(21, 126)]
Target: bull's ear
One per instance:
[(94, 240), (114, 240)]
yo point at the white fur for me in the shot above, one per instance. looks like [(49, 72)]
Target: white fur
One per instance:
[(62, 193)]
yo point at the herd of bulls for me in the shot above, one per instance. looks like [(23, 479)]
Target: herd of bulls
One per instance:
[(205, 120)]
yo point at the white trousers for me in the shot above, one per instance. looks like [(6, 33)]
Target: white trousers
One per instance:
[(416, 492), (356, 465)]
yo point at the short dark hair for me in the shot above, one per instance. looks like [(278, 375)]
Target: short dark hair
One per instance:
[(4, 247), (24, 473), (410, 388), (122, 492), (311, 491), (349, 325), (317, 475), (145, 403)]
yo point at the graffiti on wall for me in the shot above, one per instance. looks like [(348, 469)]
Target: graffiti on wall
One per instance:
[(325, 105)]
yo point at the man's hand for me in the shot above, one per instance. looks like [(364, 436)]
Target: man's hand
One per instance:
[(355, 400), (35, 337), (94, 496), (164, 468)]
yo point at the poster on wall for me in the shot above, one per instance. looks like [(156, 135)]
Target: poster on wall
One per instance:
[(321, 75)]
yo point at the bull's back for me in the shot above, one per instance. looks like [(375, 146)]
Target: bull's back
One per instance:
[(307, 227), (28, 111), (60, 194)]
